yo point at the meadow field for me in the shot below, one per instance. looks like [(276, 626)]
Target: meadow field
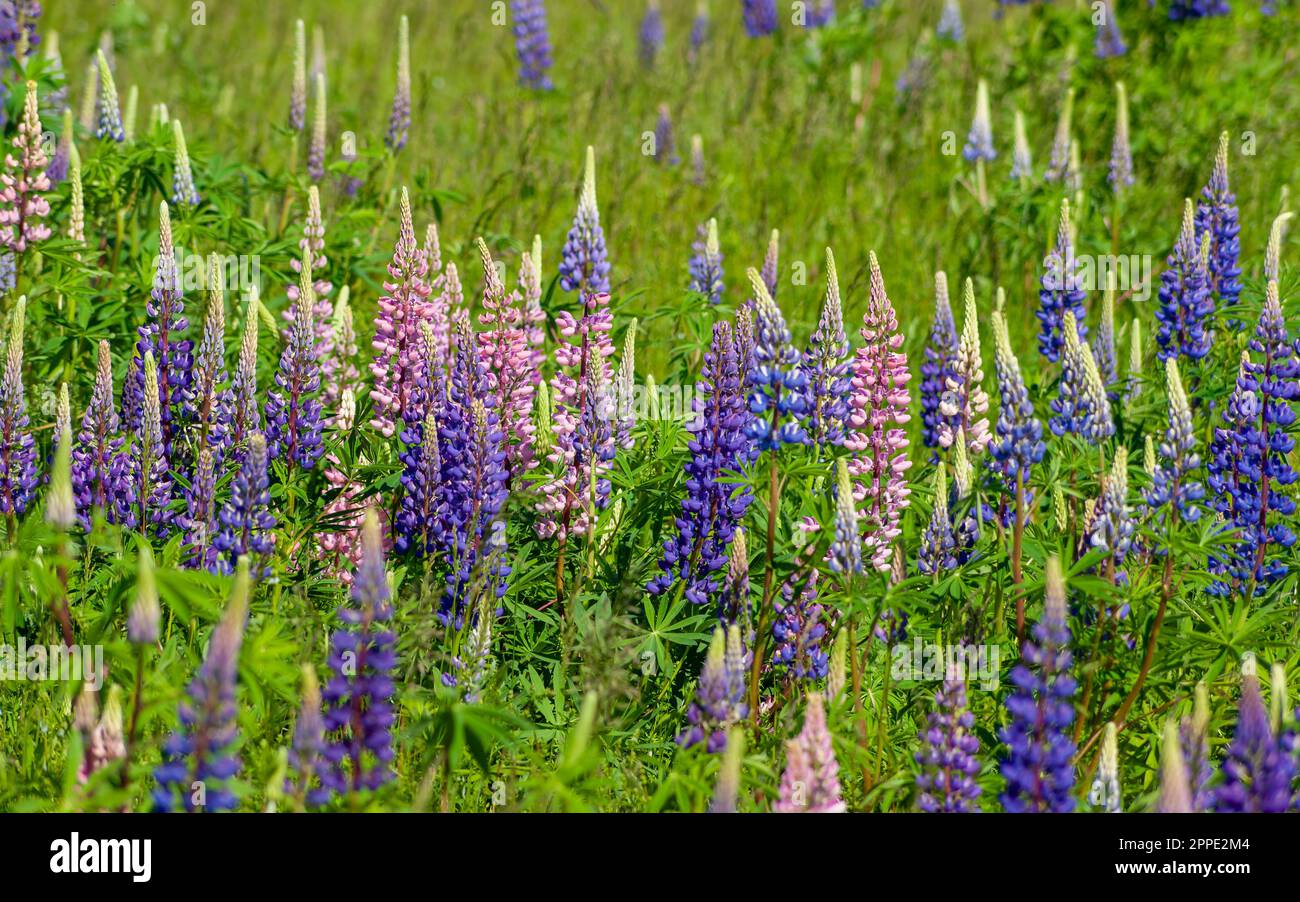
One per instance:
[(626, 406)]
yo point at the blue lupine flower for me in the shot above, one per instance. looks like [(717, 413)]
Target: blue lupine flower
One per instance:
[(1120, 173), (1112, 525), (1257, 770), (819, 13), (1062, 292), (720, 698), (1197, 9), (947, 759), (1186, 308), (1019, 443), (799, 630), (1039, 768), (1082, 406), (939, 366), (826, 367), (1216, 216), (532, 43), (979, 143), (938, 551), (713, 508), (777, 399), (293, 410), (18, 476), (846, 549), (706, 263), (650, 37), (1171, 482), (358, 708), (665, 146), (759, 17), (1249, 468), (100, 469), (1109, 42), (583, 265), (245, 524), (950, 24), (200, 759)]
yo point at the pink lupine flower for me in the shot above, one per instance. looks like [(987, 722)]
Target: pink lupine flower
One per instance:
[(22, 208), (511, 367), (397, 328), (878, 412), (582, 449), (811, 781)]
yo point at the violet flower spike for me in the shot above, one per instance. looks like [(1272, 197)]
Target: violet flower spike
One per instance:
[(399, 120), (810, 782), (18, 475)]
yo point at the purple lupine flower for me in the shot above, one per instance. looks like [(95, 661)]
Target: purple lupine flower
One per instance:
[(706, 263), (293, 412), (1216, 216), (532, 43), (799, 630), (151, 484), (1186, 308), (1082, 406), (979, 143), (298, 88), (316, 147), (60, 160), (650, 37), (512, 366), (701, 28), (665, 147), (1039, 768), (245, 418), (109, 122), (1120, 174), (144, 620), (939, 366), (777, 397), (161, 335), (1108, 42), (720, 697), (358, 706), (99, 466), (418, 519), (18, 476), (1061, 293), (819, 13), (938, 551), (22, 208), (1019, 443), (200, 511), (202, 752), (947, 759), (811, 781), (771, 269), (307, 755), (1249, 468), (1171, 483), (584, 267), (1103, 343), (245, 524), (759, 17), (183, 191), (1257, 770), (879, 405), (399, 119), (403, 307), (1112, 524), (208, 402), (712, 508), (311, 248), (1180, 10), (950, 25), (1022, 162), (825, 366), (472, 487)]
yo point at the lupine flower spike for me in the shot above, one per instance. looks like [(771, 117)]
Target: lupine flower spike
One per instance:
[(245, 524), (760, 17), (826, 365), (298, 88), (399, 120), (720, 697), (316, 149), (99, 468), (1039, 768), (1186, 308), (1257, 770), (1058, 165), (1108, 42), (1121, 153), (1216, 216), (777, 398), (946, 782), (293, 410), (584, 267), (1171, 478), (811, 782), (1061, 293), (532, 43), (939, 366), (109, 123), (22, 208), (879, 406), (965, 402), (202, 752), (706, 264), (650, 38), (1022, 161), (18, 475)]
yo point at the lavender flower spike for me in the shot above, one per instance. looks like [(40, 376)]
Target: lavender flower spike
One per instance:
[(358, 709), (650, 39), (706, 264), (293, 410), (202, 752), (245, 525), (760, 17), (1108, 42), (826, 365), (720, 698), (245, 418), (150, 477), (1121, 153), (777, 397), (1186, 309), (811, 781), (846, 550), (298, 89), (939, 366), (1039, 768), (946, 782), (183, 190), (965, 402), (584, 267), (1257, 771), (109, 123), (1171, 481), (532, 44), (1061, 292), (1216, 216), (979, 143), (18, 476), (399, 120), (316, 149), (22, 206)]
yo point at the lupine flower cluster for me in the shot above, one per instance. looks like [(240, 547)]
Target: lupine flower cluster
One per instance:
[(1257, 770), (964, 401), (1019, 443), (826, 366), (532, 43), (22, 208), (1082, 406), (293, 412), (1172, 481), (777, 398), (397, 328), (1185, 303), (706, 263), (1061, 292), (811, 781), (399, 119), (1216, 217), (720, 697), (759, 17), (584, 267), (948, 753), (18, 476), (939, 365)]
